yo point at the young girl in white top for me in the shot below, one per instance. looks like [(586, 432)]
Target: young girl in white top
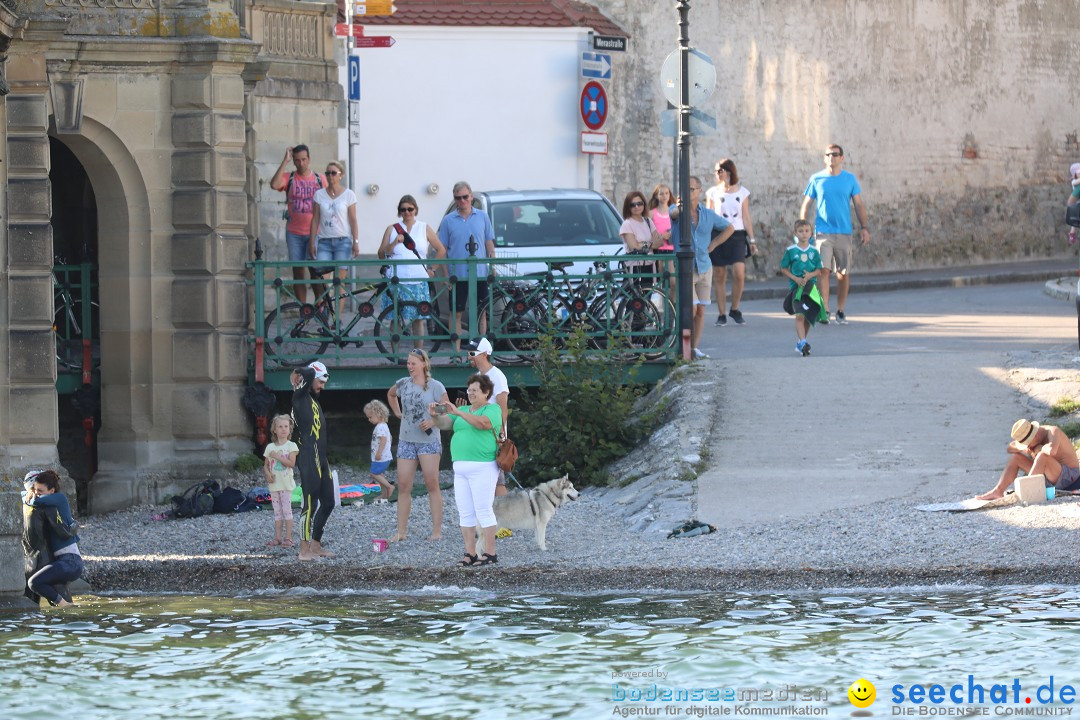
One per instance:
[(378, 414), (278, 470)]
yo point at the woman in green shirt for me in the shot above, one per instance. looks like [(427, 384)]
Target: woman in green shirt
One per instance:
[(473, 451)]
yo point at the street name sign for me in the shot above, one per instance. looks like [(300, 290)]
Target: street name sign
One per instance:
[(375, 41), (609, 43)]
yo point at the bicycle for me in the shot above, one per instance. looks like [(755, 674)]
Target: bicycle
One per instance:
[(68, 321), (297, 333)]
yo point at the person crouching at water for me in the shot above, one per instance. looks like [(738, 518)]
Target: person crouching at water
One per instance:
[(1038, 450), (473, 449), (59, 531), (315, 481)]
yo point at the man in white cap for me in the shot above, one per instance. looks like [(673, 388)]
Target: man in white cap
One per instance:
[(315, 481), (480, 358), (1038, 450)]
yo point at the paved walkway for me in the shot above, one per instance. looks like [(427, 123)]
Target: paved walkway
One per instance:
[(910, 398)]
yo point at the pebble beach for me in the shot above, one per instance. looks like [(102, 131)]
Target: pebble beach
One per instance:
[(609, 539)]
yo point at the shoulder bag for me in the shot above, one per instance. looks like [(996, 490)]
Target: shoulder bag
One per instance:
[(507, 454)]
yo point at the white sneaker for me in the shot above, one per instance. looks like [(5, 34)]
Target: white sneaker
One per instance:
[(699, 354)]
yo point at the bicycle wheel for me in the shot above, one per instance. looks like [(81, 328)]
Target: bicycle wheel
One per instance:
[(520, 324), (395, 338), (67, 326), (643, 324), (296, 334)]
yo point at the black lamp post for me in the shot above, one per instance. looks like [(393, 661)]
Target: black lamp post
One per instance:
[(685, 252)]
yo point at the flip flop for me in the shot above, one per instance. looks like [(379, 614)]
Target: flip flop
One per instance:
[(287, 543), (273, 543)]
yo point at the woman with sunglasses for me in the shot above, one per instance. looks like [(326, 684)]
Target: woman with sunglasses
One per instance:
[(334, 231), (729, 199), (419, 441), (638, 233), (410, 239)]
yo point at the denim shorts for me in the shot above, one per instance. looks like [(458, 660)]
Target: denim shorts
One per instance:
[(336, 248), (298, 246)]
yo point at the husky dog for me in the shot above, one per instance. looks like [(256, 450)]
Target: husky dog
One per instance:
[(533, 509)]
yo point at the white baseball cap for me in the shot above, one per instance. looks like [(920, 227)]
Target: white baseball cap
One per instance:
[(320, 370), (483, 345)]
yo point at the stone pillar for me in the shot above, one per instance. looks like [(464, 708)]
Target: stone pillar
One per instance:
[(28, 419), (209, 251)]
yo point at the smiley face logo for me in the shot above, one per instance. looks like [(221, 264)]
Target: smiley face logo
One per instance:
[(862, 693)]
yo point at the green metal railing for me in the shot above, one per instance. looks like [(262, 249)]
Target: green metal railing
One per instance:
[(75, 326), (626, 307)]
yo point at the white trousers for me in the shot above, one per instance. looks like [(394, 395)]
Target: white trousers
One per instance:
[(474, 491)]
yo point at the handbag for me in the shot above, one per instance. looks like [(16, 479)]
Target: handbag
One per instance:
[(1072, 215), (507, 454)]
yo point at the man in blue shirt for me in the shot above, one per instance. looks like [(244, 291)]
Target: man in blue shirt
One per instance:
[(456, 231), (707, 232), (833, 190)]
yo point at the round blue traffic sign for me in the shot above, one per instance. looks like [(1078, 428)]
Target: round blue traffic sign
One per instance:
[(593, 105)]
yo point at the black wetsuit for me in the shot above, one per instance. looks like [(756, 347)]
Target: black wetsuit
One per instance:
[(315, 482)]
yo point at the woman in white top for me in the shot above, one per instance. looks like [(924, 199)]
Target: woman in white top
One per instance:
[(334, 232), (416, 243), (637, 232), (731, 201)]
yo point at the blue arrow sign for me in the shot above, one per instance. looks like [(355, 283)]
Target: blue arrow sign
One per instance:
[(596, 65), (354, 77)]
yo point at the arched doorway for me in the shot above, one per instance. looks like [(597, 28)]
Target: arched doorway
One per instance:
[(74, 223)]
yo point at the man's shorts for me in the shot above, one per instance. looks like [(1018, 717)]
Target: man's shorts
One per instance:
[(835, 251), (378, 468), (461, 296), (298, 246), (1069, 479), (411, 451), (703, 287)]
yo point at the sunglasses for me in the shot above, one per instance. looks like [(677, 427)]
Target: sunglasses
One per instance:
[(834, 154), (403, 210), (418, 353), (473, 353), (332, 172), (459, 198), (637, 203)]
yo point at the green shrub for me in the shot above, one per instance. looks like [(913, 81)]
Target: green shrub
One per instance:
[(247, 463), (1064, 406), (579, 418)]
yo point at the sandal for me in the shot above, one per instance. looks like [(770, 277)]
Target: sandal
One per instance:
[(273, 543), (469, 561), (488, 559), (287, 543)]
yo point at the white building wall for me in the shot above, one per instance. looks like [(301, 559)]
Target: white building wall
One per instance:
[(497, 107)]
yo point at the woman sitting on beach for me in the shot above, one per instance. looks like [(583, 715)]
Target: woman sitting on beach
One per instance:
[(65, 561), (419, 442), (473, 450)]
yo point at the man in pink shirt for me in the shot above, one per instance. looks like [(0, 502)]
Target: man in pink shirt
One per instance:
[(299, 188)]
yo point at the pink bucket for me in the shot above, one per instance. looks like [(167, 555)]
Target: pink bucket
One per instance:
[(379, 545)]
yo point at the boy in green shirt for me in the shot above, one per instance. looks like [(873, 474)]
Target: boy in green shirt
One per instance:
[(801, 265)]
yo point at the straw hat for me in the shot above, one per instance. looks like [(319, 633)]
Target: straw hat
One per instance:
[(1023, 431)]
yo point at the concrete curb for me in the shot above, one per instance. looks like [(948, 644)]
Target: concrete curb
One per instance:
[(1061, 289), (964, 277)]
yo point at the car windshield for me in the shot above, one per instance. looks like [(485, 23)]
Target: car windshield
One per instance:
[(540, 223)]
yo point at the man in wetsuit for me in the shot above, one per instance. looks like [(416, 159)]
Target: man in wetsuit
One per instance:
[(315, 481)]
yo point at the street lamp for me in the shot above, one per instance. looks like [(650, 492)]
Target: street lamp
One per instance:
[(685, 252)]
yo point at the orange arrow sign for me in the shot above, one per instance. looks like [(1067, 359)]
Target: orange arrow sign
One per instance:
[(375, 7)]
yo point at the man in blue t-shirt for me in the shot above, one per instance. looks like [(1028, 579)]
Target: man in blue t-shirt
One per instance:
[(467, 232), (832, 191)]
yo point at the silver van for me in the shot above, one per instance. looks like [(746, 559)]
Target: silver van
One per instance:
[(549, 223)]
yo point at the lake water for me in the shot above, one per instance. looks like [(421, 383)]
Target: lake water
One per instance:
[(448, 653)]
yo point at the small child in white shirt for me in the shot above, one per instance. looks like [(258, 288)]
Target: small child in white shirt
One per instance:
[(378, 414), (280, 457)]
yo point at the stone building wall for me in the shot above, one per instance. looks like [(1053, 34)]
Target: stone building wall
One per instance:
[(958, 116)]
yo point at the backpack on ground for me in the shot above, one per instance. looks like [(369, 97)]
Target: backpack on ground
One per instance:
[(197, 500), (231, 500)]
